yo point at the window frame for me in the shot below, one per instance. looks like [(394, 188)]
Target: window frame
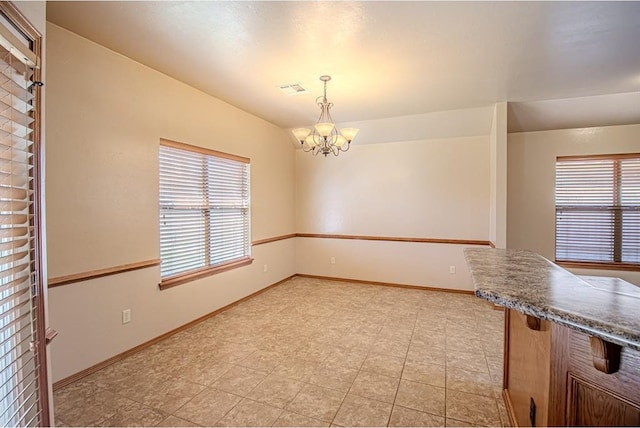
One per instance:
[(23, 30), (617, 237), (208, 270)]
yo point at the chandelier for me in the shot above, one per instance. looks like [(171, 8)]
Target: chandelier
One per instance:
[(325, 138)]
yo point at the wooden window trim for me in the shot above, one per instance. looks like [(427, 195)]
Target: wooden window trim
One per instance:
[(599, 157), (617, 213), (203, 151), (193, 275), (599, 265)]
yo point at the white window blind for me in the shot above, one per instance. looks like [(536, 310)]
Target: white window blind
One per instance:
[(204, 209), (598, 209), (19, 395)]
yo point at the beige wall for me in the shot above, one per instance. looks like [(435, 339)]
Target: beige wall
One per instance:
[(418, 189), (35, 12), (531, 182), (106, 114)]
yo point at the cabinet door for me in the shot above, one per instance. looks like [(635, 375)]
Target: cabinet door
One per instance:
[(590, 405)]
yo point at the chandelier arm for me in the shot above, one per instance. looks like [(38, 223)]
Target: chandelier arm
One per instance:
[(323, 112), (329, 106)]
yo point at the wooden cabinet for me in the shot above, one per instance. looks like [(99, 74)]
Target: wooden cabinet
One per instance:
[(550, 378)]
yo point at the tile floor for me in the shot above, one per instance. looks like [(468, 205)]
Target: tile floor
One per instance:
[(310, 353)]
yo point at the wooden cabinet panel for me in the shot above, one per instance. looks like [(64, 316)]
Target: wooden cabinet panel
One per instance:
[(590, 405), (527, 360), (595, 398)]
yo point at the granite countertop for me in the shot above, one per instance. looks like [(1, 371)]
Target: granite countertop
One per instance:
[(522, 280)]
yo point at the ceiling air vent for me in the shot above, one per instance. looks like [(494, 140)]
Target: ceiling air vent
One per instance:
[(292, 89)]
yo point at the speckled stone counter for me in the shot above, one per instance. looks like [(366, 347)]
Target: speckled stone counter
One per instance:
[(608, 308)]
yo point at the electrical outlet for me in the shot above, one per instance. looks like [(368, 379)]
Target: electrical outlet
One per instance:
[(452, 270), (333, 260), (126, 316), (265, 269)]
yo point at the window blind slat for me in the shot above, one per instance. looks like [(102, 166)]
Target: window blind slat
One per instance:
[(10, 141), (16, 116), (12, 232), (10, 283), (11, 273), (17, 355), (22, 349), (9, 88)]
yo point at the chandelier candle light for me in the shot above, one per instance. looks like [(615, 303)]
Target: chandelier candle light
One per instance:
[(325, 138)]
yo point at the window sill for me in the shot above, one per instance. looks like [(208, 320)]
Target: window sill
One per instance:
[(599, 265), (182, 278)]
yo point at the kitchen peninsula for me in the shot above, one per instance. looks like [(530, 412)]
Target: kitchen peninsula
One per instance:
[(572, 344)]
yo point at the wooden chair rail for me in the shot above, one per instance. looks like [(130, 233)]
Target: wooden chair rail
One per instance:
[(83, 276)]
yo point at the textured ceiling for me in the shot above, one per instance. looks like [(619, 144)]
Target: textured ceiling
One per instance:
[(387, 59)]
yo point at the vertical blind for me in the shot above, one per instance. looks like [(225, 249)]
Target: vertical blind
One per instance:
[(598, 209), (204, 210), (19, 405)]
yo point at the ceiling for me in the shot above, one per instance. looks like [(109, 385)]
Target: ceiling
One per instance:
[(387, 59)]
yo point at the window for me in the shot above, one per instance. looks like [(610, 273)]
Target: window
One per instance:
[(598, 210), (204, 212), (23, 370)]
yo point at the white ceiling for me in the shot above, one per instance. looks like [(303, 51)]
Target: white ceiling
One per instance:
[(387, 59)]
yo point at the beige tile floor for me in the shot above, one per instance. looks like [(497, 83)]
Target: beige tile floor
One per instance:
[(310, 353)]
